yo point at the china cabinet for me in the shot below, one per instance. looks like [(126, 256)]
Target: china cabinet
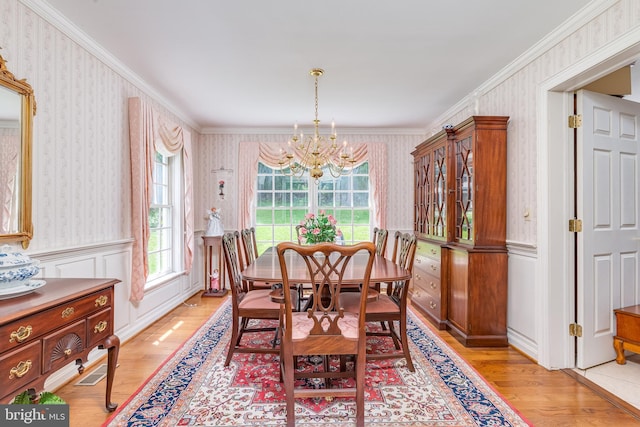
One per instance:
[(460, 271)]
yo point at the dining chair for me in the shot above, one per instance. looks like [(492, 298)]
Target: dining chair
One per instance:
[(247, 304), (380, 240), (250, 251), (391, 305), (325, 329)]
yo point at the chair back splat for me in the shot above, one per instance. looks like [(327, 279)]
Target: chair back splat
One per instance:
[(325, 329), (380, 236)]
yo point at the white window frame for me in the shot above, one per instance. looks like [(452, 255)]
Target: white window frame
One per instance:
[(280, 233), (171, 184)]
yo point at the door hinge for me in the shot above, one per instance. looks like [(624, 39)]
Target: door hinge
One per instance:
[(575, 225), (575, 121), (575, 330)]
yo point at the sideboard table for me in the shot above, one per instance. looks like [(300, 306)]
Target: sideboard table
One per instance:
[(61, 322)]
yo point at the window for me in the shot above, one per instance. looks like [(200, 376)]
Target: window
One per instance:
[(283, 201), (160, 249)]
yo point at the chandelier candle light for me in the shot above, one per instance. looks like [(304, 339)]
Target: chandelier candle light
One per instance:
[(316, 151)]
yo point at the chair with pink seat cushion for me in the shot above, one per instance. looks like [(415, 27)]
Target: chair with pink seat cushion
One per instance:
[(325, 329), (247, 304), (391, 306)]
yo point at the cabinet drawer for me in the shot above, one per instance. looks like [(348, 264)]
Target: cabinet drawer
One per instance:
[(426, 249), (427, 282), (429, 265), (60, 347), (99, 326), (22, 331), (20, 367), (428, 302)]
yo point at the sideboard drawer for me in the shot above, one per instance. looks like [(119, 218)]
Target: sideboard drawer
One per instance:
[(61, 347), (20, 367), (99, 326), (25, 330)]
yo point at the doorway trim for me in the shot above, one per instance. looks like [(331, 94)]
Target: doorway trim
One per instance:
[(555, 302)]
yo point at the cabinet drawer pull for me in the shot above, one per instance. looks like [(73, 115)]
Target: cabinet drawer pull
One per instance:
[(67, 352), (20, 370), (433, 251), (100, 327), (433, 285), (418, 276), (101, 301), (432, 305), (68, 312), (418, 260), (21, 334), (433, 267)]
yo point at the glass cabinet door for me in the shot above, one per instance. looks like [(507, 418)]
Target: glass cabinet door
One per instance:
[(464, 189), (421, 196), (439, 200)]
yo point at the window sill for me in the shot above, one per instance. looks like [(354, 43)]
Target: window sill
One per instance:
[(159, 281)]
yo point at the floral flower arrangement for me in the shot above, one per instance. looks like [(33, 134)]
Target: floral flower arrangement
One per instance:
[(316, 229)]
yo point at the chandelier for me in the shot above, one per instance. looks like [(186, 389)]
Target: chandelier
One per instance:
[(316, 152)]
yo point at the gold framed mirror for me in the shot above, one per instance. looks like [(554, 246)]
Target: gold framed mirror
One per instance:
[(17, 108)]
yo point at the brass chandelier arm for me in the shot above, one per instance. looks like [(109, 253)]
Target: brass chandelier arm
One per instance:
[(316, 152)]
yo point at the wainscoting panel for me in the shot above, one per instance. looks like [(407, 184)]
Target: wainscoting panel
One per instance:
[(523, 286), (118, 264)]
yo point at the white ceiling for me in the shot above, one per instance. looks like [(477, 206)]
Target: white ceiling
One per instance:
[(245, 63)]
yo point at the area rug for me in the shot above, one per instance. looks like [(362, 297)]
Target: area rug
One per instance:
[(193, 388)]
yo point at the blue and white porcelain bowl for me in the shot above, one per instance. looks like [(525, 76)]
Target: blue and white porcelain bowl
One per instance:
[(16, 269)]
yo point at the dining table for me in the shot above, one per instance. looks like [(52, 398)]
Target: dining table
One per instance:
[(266, 268)]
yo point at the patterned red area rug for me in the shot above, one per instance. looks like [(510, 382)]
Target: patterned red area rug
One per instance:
[(193, 388)]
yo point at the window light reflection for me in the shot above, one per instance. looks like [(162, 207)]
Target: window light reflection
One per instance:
[(166, 334)]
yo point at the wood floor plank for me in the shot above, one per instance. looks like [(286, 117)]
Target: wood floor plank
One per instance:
[(545, 398)]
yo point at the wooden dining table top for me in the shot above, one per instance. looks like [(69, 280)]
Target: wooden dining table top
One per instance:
[(266, 268)]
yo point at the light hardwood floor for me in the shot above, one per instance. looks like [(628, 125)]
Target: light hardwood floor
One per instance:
[(545, 398)]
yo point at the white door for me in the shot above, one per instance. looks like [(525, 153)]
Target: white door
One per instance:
[(608, 176)]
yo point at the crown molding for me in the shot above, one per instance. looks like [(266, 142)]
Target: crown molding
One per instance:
[(43, 9), (565, 29), (287, 131)]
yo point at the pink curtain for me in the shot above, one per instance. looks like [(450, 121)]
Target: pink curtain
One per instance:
[(377, 156), (170, 141), (148, 133), (269, 154), (141, 141)]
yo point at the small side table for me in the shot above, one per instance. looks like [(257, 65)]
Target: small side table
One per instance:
[(627, 332), (213, 244)]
